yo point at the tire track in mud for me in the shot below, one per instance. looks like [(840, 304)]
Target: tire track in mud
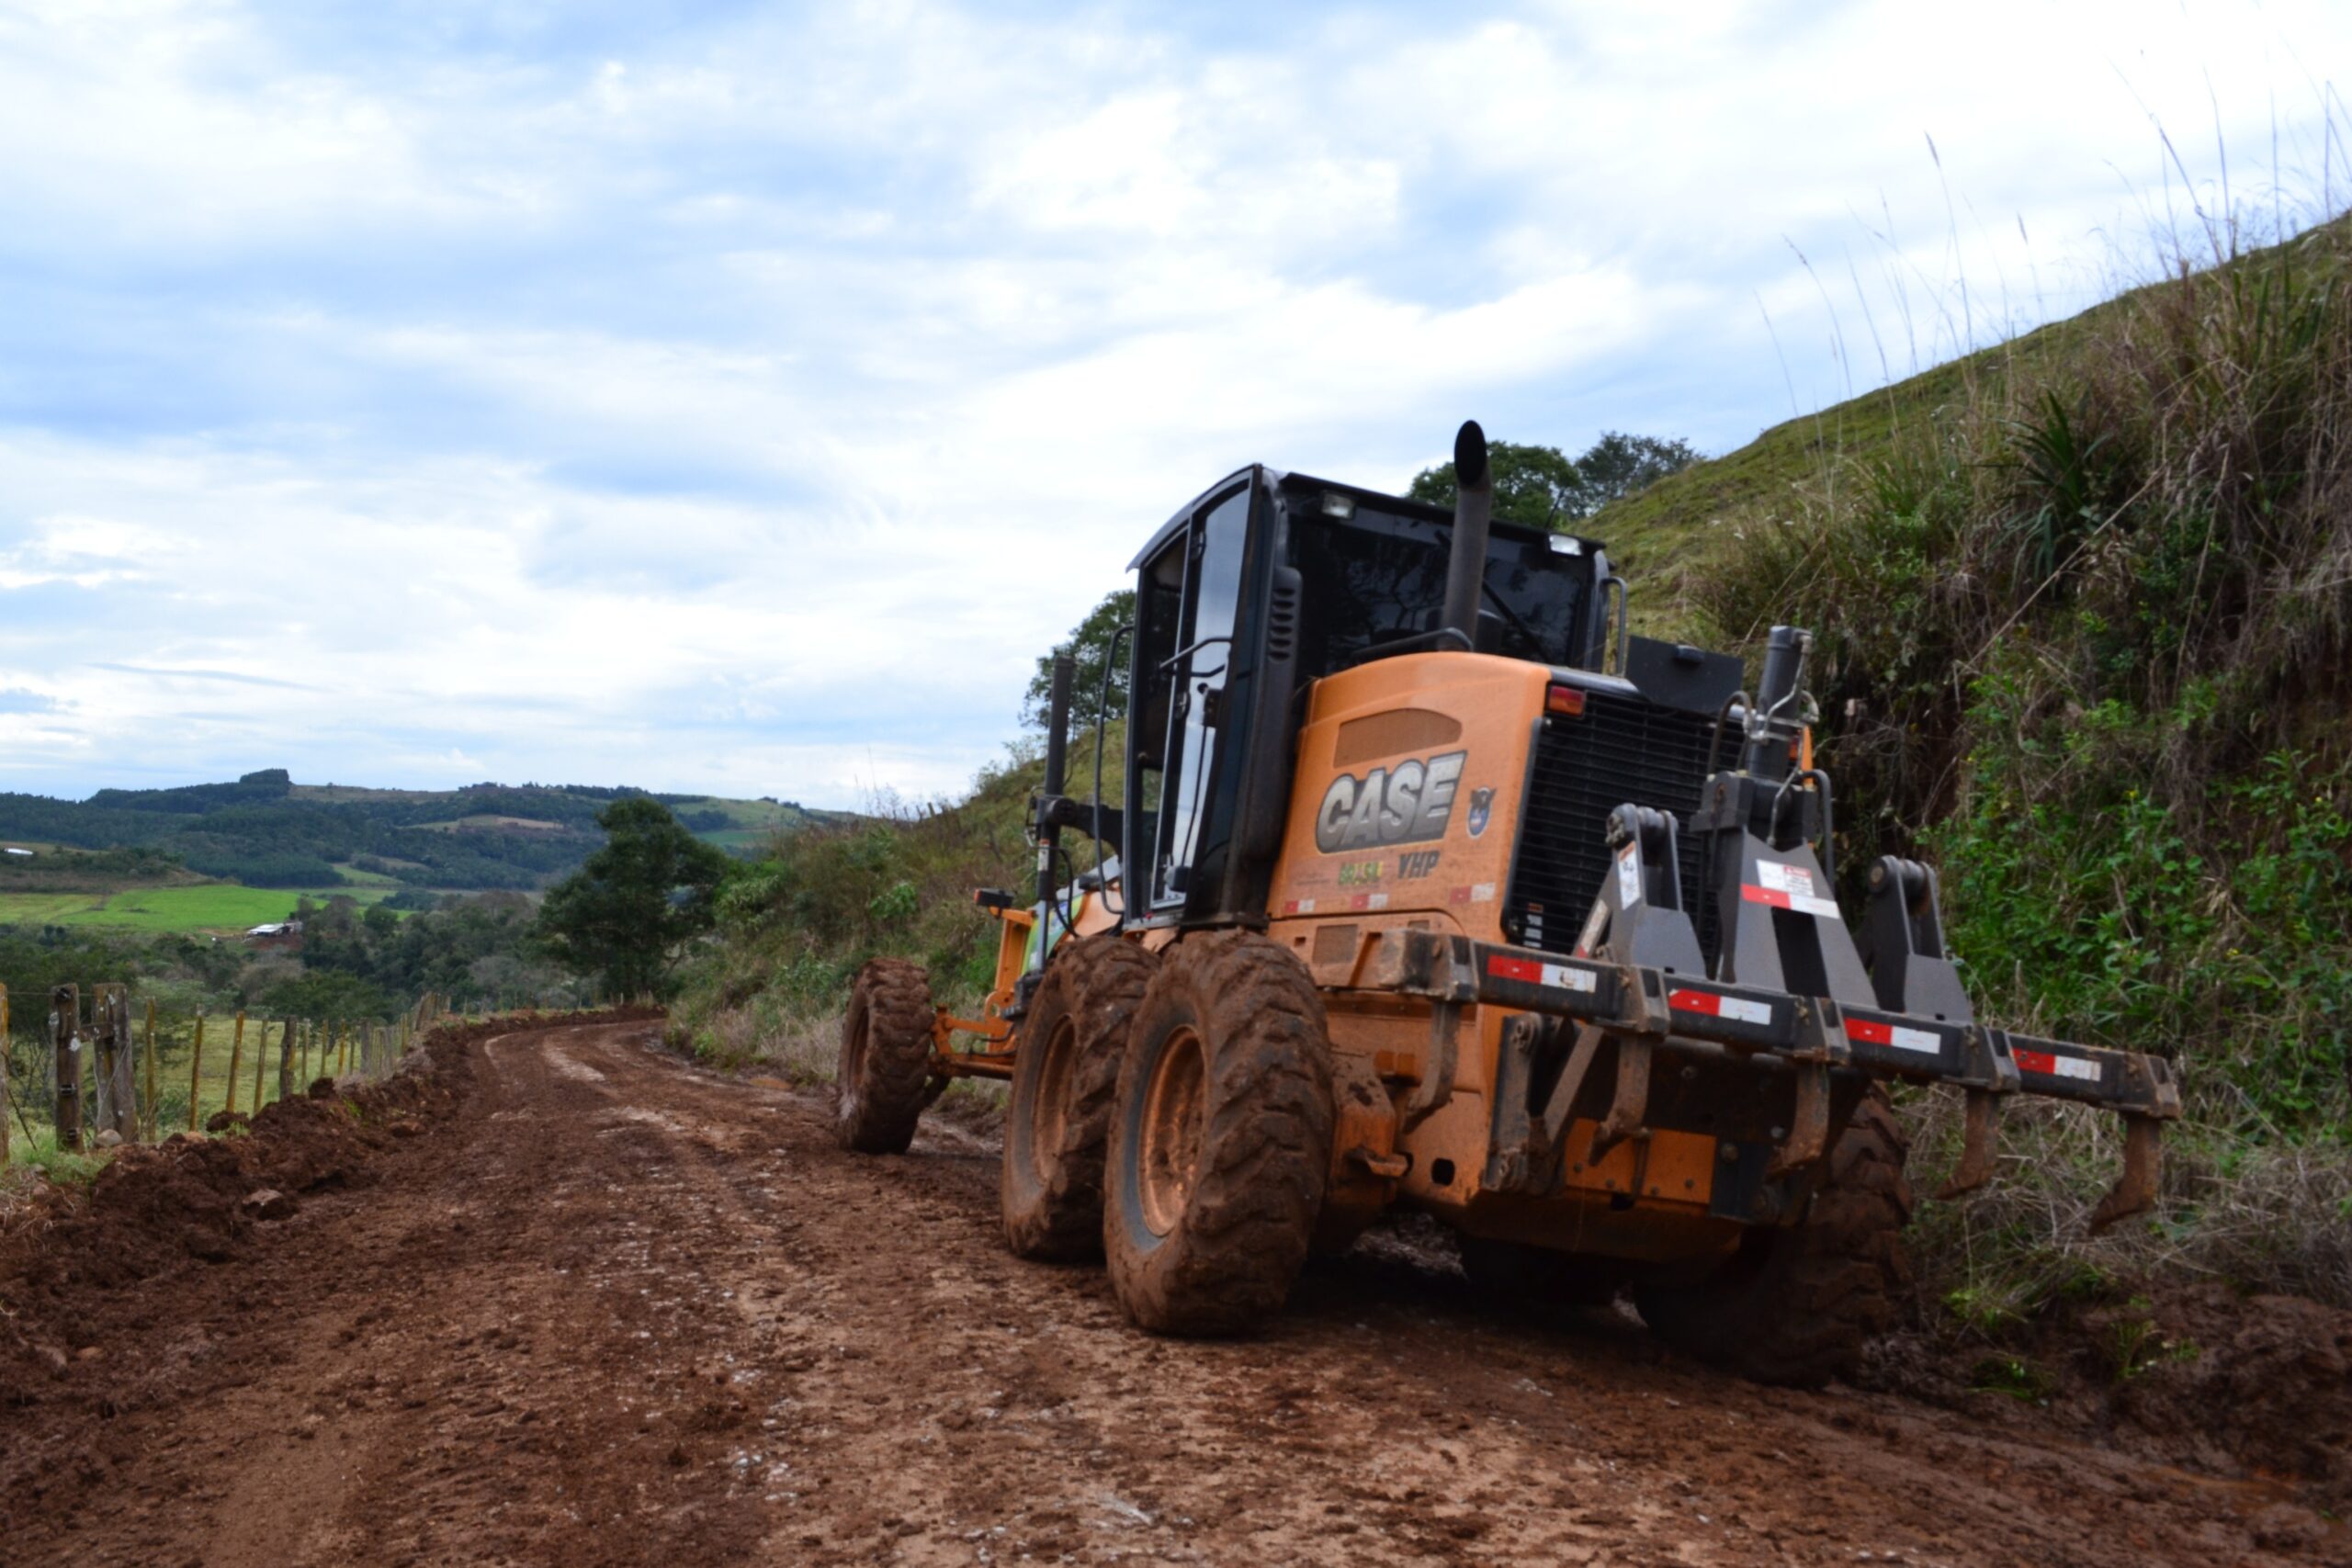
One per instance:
[(623, 1310)]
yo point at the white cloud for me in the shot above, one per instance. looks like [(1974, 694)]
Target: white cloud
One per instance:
[(743, 403)]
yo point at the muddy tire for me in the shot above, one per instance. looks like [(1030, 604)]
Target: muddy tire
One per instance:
[(1065, 1078), (1536, 1279), (1796, 1305), (1220, 1138), (885, 1058)]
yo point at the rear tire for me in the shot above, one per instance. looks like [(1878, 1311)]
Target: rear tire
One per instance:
[(1065, 1079), (885, 1058), (1796, 1305), (1221, 1138)]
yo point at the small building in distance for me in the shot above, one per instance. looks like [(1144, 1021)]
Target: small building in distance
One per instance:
[(284, 936)]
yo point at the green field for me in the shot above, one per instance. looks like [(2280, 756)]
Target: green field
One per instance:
[(221, 906), (736, 840)]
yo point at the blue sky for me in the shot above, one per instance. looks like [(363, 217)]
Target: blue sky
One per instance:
[(737, 398)]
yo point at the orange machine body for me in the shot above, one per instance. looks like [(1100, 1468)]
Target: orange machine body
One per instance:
[(1410, 781)]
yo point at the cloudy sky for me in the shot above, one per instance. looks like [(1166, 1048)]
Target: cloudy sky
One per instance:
[(738, 397)]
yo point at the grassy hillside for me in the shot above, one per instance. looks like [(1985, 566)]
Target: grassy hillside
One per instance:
[(1682, 532)]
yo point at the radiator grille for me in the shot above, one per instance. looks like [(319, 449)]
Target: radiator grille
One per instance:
[(1621, 749)]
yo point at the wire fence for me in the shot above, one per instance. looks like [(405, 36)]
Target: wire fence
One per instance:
[(97, 1067)]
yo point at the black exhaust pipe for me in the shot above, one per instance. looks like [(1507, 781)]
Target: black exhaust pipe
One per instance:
[(1473, 507), (1057, 766)]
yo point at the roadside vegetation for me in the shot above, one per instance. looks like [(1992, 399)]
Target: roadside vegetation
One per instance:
[(794, 926)]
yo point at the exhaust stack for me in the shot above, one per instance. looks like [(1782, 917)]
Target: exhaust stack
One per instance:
[(1474, 505)]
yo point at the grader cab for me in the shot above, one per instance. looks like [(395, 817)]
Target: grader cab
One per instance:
[(1431, 885)]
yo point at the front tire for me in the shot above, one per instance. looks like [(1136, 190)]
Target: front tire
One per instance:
[(885, 1058), (1220, 1139), (1065, 1079), (1796, 1306)]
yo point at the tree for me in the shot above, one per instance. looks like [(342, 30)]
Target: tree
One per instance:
[(1538, 486), (1543, 488), (1618, 465), (327, 994), (1088, 642), (629, 912)]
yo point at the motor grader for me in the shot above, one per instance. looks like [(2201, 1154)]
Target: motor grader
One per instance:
[(1432, 885)]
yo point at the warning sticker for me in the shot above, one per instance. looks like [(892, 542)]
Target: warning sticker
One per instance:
[(1629, 875), (1481, 893), (1785, 887)]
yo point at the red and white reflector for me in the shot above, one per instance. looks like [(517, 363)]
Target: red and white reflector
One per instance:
[(2050, 1064), (1869, 1031), (1739, 1010), (1535, 973)]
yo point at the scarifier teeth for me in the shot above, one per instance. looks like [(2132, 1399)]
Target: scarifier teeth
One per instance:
[(2134, 1192), (1984, 1119)]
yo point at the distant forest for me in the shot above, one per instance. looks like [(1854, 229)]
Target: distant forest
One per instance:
[(263, 832)]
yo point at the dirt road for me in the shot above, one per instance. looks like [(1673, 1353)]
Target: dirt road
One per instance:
[(616, 1310)]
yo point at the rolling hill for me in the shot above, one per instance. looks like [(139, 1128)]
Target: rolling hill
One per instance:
[(265, 830)]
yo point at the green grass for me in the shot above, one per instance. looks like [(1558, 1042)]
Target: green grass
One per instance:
[(65, 1167), (733, 839), (218, 906)]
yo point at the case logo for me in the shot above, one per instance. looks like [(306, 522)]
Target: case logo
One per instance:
[(1482, 806), (1403, 805)]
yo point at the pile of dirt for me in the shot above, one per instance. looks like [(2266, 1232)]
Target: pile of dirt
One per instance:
[(157, 1207), (2254, 1386)]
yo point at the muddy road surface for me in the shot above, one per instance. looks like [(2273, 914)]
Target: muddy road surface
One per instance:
[(613, 1308)]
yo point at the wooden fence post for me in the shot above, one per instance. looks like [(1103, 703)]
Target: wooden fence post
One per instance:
[(236, 1060), (286, 1027), (122, 1068), (100, 1112), (64, 1018), (194, 1069), (154, 1108), (261, 1055)]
